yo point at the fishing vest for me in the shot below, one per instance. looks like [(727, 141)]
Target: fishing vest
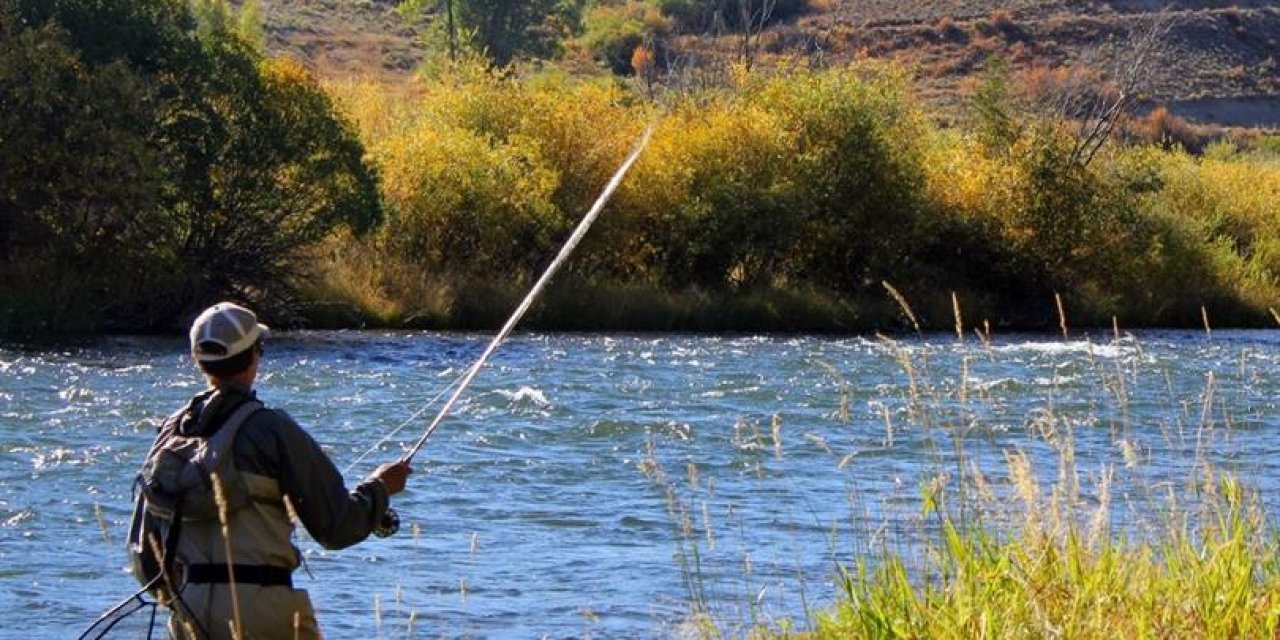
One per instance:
[(188, 486)]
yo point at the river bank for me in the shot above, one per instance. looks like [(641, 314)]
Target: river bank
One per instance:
[(581, 307)]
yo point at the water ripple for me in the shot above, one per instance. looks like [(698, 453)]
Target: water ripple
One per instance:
[(572, 484)]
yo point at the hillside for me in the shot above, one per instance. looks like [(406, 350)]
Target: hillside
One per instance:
[(1219, 63), (343, 37)]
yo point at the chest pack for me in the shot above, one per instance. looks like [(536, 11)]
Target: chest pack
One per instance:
[(184, 479)]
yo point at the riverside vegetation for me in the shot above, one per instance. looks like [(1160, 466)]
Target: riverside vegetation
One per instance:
[(784, 201), (189, 166)]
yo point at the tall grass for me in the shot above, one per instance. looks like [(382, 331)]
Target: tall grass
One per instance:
[(1037, 548), (1219, 580)]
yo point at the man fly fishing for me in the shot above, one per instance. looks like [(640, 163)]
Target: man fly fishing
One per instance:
[(233, 579), (233, 572)]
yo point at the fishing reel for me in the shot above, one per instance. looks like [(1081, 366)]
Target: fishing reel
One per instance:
[(388, 524)]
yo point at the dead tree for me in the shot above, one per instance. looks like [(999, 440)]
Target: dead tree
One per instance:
[(1103, 87), (752, 22)]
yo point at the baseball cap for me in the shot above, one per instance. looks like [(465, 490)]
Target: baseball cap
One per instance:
[(224, 330)]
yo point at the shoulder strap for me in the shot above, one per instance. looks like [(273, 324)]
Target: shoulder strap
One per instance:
[(219, 445)]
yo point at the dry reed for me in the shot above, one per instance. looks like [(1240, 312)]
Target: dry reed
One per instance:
[(1065, 574), (955, 306), (219, 496), (1062, 314), (1042, 555), (102, 523), (902, 302)]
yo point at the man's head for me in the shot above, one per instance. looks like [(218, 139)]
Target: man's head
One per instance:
[(226, 340)]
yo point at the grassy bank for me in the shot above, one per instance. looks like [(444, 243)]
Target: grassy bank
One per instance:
[(784, 200), (1220, 579), (1151, 530)]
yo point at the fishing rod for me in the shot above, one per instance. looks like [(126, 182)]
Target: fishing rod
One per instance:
[(533, 294), (391, 522), (414, 416)]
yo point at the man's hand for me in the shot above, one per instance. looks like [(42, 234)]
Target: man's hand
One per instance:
[(392, 475)]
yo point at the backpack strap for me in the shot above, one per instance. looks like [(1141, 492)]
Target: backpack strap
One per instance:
[(218, 446)]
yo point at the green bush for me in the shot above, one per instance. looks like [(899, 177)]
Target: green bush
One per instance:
[(611, 36), (150, 165), (859, 171), (80, 184)]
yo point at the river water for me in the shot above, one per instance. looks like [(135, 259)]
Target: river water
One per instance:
[(605, 486)]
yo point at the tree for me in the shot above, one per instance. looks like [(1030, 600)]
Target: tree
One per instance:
[(284, 171), (858, 161), (1098, 91), (79, 178), (150, 164), (504, 29), (992, 115), (753, 17)]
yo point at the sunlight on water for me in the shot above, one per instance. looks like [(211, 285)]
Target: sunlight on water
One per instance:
[(600, 485)]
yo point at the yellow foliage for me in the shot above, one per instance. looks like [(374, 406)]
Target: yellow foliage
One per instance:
[(378, 109), (965, 182), (484, 171), (1234, 200)]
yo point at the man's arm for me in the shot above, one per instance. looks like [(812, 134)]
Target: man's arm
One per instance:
[(335, 517)]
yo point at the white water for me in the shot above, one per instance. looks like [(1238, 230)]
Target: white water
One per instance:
[(531, 513)]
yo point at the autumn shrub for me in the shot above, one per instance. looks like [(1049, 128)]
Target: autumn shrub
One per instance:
[(1150, 266), (1232, 200), (858, 173), (1162, 127), (786, 179), (472, 96), (735, 220), (820, 182), (1025, 223), (967, 187), (948, 30), (484, 173), (458, 202), (582, 130), (612, 33)]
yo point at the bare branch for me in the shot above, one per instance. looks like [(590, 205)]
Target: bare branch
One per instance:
[(1098, 109), (751, 29)]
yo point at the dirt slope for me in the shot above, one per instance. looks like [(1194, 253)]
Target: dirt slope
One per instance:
[(1220, 61)]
